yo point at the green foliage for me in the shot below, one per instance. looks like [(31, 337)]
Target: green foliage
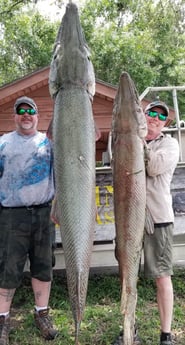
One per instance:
[(102, 319), (146, 38), (26, 43)]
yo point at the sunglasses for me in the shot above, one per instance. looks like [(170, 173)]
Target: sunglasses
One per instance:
[(161, 117), (22, 111)]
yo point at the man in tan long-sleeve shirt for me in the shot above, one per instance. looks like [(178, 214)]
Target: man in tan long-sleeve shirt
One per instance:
[(163, 155)]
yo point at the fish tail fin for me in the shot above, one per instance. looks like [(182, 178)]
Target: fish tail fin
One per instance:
[(77, 329), (128, 306), (128, 331), (79, 302), (124, 297)]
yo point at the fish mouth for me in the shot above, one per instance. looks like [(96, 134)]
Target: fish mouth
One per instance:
[(72, 33), (127, 108), (127, 88), (71, 55), (72, 6)]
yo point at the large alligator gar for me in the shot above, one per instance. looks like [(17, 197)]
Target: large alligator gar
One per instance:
[(128, 131), (72, 85)]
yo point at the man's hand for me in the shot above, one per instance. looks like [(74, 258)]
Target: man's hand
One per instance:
[(146, 153), (54, 212)]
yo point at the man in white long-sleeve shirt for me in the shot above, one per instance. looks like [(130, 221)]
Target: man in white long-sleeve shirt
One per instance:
[(163, 155)]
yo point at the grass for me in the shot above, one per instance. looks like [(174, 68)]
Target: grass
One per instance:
[(102, 319)]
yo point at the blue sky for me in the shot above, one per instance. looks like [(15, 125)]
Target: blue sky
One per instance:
[(49, 9)]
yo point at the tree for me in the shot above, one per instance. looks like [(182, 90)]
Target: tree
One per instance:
[(143, 37), (26, 42)]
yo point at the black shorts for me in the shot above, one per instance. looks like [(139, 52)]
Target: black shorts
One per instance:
[(25, 233)]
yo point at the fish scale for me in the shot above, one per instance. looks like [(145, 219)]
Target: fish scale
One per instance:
[(72, 86), (75, 184), (129, 129)]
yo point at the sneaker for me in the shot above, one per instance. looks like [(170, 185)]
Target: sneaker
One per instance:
[(137, 340), (44, 324), (4, 329), (119, 339), (167, 341)]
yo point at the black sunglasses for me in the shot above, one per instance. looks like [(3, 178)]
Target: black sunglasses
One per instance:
[(22, 111), (161, 117)]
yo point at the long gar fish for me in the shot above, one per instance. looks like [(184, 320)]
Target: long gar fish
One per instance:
[(128, 131), (72, 85)]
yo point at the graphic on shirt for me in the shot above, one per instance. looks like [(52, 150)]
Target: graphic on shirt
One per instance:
[(25, 163), (2, 159), (37, 172), (2, 165)]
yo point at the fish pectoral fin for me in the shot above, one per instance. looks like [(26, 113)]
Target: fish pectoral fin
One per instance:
[(49, 130), (149, 223), (134, 172)]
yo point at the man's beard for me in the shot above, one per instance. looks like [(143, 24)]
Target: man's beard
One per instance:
[(26, 125)]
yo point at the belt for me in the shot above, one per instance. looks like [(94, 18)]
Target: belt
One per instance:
[(161, 225), (31, 207)]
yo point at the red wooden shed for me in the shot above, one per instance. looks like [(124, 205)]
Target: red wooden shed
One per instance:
[(35, 85)]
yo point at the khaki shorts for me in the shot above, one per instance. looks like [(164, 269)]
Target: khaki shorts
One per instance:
[(25, 233), (158, 249)]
